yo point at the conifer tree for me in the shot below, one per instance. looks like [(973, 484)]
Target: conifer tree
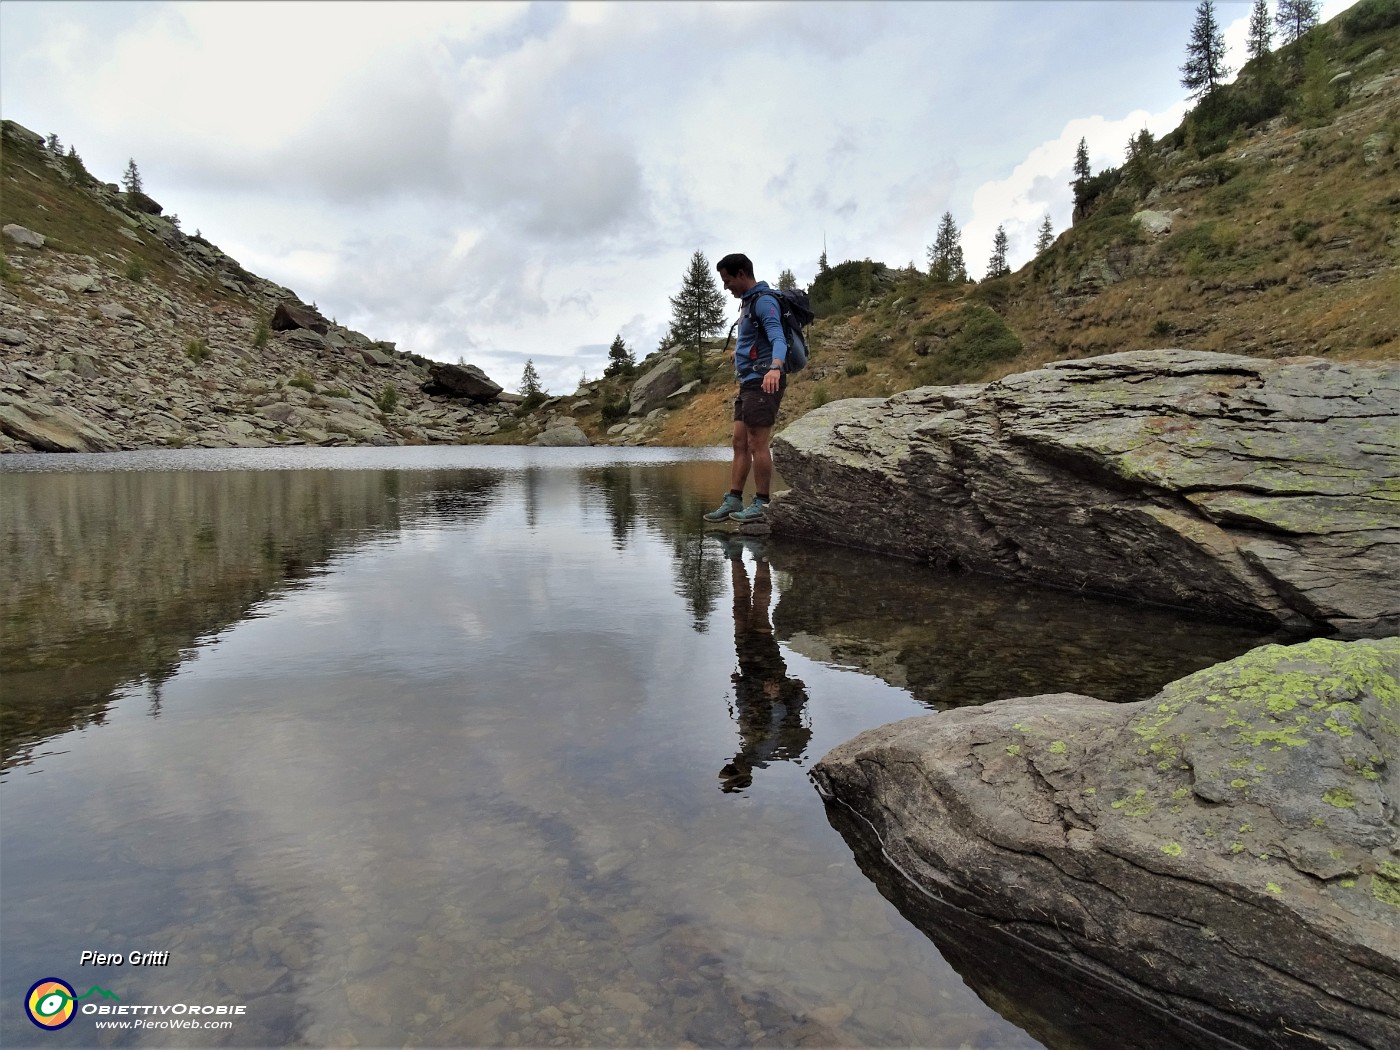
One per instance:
[(54, 146), (1261, 34), (530, 380), (1081, 161), (1141, 165), (697, 312), (1046, 237), (131, 179), (1295, 17), (786, 280), (1082, 170), (945, 254), (620, 359), (997, 265), (1204, 69)]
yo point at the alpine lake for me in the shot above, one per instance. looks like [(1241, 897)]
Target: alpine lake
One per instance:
[(478, 746)]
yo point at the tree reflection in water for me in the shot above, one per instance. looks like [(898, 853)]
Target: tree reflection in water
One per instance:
[(768, 704)]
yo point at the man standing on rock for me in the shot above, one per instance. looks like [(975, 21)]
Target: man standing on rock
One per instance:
[(759, 353)]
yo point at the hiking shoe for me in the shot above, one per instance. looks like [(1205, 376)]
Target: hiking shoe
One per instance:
[(753, 512), (732, 505)]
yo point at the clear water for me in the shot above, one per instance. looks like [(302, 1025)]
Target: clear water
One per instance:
[(478, 747)]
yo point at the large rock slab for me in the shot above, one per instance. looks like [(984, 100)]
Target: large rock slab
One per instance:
[(467, 381), (1224, 856), (50, 428), (651, 391), (1250, 488), (289, 316)]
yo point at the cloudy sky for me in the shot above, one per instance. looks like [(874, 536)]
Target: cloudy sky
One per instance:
[(497, 182)]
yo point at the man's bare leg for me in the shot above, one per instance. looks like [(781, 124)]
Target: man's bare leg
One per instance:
[(761, 456), (743, 458)]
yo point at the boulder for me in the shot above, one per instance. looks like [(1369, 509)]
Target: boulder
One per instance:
[(1223, 858), (50, 428), (1254, 489), (461, 381), (22, 235), (567, 435), (650, 392), (142, 203), (290, 315)]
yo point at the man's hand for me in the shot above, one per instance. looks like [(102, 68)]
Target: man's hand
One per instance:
[(772, 379)]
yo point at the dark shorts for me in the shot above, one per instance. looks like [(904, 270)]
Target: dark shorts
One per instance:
[(754, 408)]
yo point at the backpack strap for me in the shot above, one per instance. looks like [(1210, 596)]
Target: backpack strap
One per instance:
[(758, 325)]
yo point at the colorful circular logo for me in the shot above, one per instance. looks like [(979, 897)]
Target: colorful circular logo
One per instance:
[(49, 1003)]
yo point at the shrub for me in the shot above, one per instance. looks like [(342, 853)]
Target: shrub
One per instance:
[(135, 271), (303, 380), (336, 391), (197, 350), (1162, 326), (613, 410), (388, 398), (262, 332), (821, 395), (857, 369)]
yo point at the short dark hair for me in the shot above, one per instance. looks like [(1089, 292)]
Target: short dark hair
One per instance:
[(735, 263)]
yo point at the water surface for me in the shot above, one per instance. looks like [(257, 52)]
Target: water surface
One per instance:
[(479, 747)]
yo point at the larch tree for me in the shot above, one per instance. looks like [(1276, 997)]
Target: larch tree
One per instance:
[(997, 265), (1046, 237), (1082, 171), (697, 311), (787, 281), (1204, 69), (530, 380), (1261, 34), (945, 254), (131, 178), (1295, 17)]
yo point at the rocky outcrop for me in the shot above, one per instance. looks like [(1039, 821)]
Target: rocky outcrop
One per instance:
[(1225, 854), (290, 315), (462, 381), (1249, 488)]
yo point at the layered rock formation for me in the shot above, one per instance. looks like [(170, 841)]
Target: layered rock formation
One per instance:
[(1223, 858), (1249, 488)]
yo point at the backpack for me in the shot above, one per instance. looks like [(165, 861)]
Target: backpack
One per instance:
[(795, 309)]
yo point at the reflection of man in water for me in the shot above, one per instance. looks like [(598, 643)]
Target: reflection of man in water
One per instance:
[(769, 703)]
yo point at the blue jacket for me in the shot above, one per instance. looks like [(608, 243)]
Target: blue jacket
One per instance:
[(760, 334)]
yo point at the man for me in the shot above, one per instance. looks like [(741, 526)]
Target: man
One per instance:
[(759, 353)]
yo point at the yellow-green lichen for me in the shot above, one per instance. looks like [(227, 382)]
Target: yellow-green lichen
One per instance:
[(1339, 797), (1136, 805), (1013, 749), (1385, 887), (1058, 747), (1172, 849), (1274, 888), (1237, 847)]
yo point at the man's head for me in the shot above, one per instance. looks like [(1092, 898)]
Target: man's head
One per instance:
[(736, 274)]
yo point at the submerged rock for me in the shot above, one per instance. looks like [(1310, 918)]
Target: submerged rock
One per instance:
[(1251, 488), (1224, 857)]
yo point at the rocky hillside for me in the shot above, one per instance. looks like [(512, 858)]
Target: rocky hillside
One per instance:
[(1273, 236)]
